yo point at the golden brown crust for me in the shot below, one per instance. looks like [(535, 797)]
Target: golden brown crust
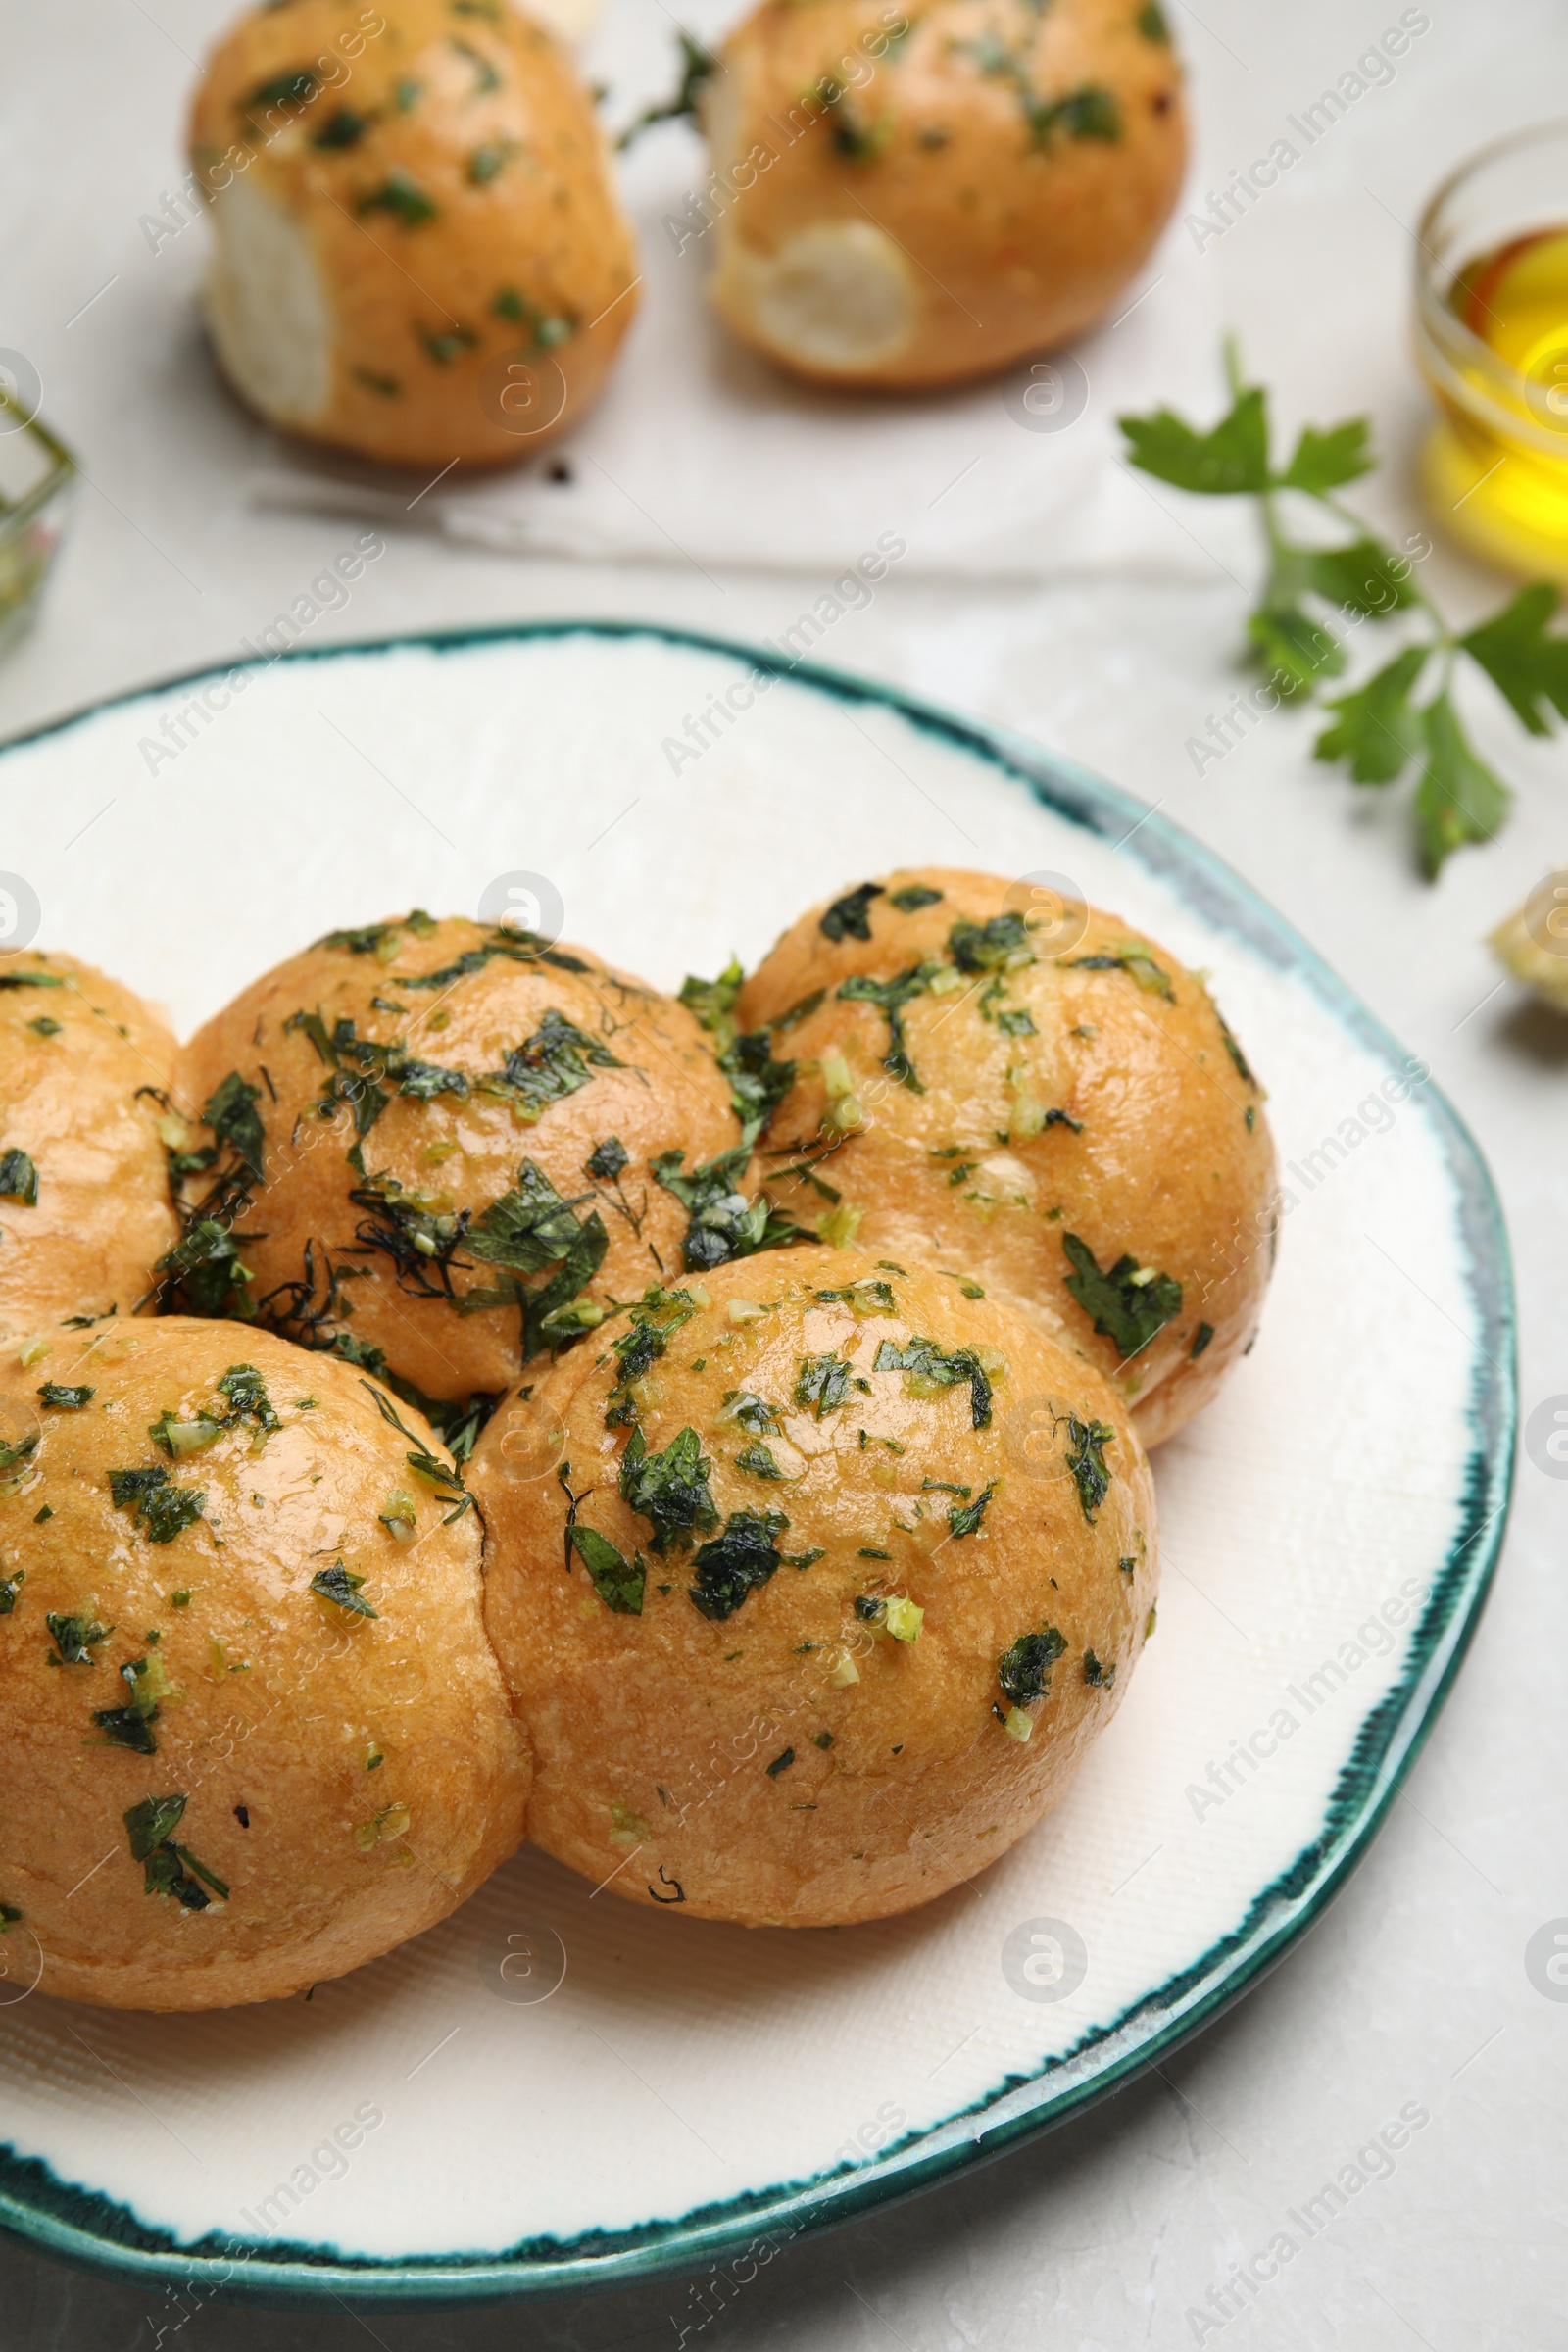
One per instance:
[(467, 216), (1002, 171), (73, 1060), (458, 1152), (270, 1701), (727, 1762), (1122, 1116)]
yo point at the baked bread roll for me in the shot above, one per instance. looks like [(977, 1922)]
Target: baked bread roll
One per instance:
[(916, 196), (431, 1148), (255, 1733), (420, 254), (842, 1569), (1036, 1096), (84, 1205)]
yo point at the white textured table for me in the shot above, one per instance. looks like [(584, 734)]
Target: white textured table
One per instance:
[(1414, 1987)]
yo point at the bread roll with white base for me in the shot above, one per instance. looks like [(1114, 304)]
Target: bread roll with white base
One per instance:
[(420, 253), (920, 195)]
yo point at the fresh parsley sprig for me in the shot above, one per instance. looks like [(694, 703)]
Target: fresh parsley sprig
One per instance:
[(1378, 730)]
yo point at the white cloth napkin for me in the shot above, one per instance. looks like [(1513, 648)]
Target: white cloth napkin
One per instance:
[(698, 451)]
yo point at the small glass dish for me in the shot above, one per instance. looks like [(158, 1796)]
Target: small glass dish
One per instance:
[(37, 479)]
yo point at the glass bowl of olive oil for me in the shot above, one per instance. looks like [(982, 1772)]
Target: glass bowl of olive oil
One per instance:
[(1492, 335), (37, 476)]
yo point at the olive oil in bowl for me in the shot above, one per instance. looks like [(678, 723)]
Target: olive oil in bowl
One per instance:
[(1492, 333)]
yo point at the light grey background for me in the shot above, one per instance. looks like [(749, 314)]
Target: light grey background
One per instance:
[(1413, 1989)]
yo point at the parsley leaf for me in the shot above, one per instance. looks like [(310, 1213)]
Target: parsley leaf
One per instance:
[(66, 1399), (1024, 1670), (1231, 458), (913, 897), (402, 196), (550, 1065), (890, 997), (929, 1368), (965, 1518), (1459, 798), (723, 1224), (850, 917), (607, 1159), (75, 1638), (821, 1383), (1129, 1304), (619, 1582), (1327, 461), (1000, 945), (1086, 1461), (156, 1502), (19, 1179), (1378, 731), (1528, 667), (341, 1586), (669, 1490), (729, 1567), (711, 1002)]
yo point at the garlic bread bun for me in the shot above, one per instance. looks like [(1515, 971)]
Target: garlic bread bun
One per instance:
[(838, 1573), (211, 1631), (84, 1203), (420, 254), (1037, 1096), (435, 1141), (920, 195)]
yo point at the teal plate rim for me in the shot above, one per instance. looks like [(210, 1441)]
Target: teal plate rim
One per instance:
[(79, 2226)]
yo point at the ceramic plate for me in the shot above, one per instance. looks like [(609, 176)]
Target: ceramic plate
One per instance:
[(554, 2089)]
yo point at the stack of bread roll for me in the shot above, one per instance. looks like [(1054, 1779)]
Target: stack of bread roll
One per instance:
[(421, 256), (465, 1394)]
